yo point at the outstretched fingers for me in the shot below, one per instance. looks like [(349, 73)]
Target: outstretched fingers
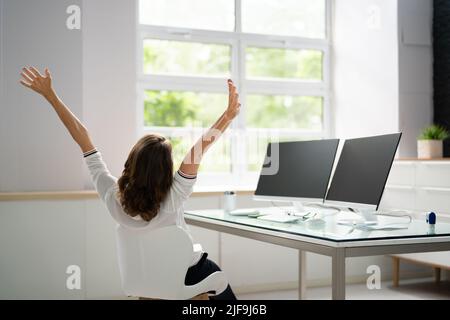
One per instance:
[(231, 86), (36, 72), (33, 79), (232, 96), (29, 74), (26, 84), (26, 77)]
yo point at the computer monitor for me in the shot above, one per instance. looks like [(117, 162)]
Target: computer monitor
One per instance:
[(362, 171), (297, 171)]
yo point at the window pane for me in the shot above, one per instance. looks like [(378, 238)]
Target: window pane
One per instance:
[(282, 63), (301, 18), (180, 147), (257, 148), (186, 58), (217, 159), (286, 112), (195, 14), (182, 109)]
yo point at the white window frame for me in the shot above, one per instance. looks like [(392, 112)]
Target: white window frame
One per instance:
[(238, 41)]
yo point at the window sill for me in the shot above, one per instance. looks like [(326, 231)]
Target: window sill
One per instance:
[(90, 194), (422, 159)]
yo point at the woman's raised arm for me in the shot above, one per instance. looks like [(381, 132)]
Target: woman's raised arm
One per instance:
[(192, 160), (42, 84)]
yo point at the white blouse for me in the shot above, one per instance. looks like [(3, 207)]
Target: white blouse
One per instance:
[(171, 210)]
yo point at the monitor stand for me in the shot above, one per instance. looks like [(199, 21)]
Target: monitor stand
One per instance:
[(299, 209), (368, 216)]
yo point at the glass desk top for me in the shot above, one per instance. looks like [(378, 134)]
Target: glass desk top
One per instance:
[(326, 224)]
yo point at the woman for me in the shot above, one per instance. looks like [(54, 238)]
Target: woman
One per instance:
[(147, 195)]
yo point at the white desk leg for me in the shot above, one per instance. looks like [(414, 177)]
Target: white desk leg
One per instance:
[(338, 274), (301, 275)]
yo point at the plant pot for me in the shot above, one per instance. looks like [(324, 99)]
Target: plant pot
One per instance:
[(429, 149)]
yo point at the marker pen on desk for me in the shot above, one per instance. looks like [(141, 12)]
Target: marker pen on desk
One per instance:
[(431, 218), (431, 221)]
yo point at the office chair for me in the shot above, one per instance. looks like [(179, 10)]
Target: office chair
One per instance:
[(153, 265)]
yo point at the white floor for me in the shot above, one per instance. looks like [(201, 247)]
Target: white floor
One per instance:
[(422, 289)]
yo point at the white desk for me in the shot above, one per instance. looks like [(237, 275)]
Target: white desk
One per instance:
[(331, 239)]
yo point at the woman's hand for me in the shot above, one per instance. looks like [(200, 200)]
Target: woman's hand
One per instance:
[(33, 79), (192, 160), (233, 101)]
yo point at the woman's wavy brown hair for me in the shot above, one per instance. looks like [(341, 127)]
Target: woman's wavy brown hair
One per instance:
[(147, 177)]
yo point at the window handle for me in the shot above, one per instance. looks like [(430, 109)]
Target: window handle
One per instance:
[(283, 42), (180, 32)]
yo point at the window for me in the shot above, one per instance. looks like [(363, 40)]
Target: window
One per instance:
[(186, 58), (298, 18), (196, 14), (277, 53)]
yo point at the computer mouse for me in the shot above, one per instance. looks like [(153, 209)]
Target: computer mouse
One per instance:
[(254, 215)]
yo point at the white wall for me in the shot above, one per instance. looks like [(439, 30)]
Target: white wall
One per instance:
[(34, 145), (38, 241), (415, 71), (94, 73), (365, 68), (109, 78), (382, 74), (2, 67)]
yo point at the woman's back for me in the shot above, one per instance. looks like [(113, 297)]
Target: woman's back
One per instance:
[(171, 211)]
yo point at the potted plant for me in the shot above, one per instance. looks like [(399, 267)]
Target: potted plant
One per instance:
[(430, 142)]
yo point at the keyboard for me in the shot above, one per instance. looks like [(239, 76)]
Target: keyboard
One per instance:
[(245, 212), (279, 218)]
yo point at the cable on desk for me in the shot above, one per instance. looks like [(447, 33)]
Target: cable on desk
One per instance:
[(392, 213), (306, 216), (285, 211), (324, 206)]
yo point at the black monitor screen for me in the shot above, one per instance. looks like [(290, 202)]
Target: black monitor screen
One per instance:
[(363, 169), (298, 169)]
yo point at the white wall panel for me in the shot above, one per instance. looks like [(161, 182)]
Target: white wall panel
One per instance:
[(38, 241), (37, 152), (102, 271)]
